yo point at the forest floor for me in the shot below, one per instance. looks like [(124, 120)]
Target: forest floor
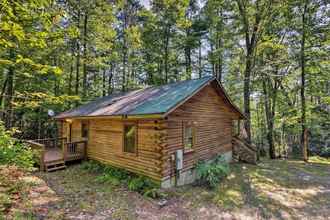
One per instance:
[(275, 189)]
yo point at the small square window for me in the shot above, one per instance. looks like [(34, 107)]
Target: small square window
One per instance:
[(130, 137), (188, 136)]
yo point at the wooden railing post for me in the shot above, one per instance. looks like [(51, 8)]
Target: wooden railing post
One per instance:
[(65, 150), (85, 150), (42, 159)]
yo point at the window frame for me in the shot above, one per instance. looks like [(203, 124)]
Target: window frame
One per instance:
[(193, 134), (135, 153)]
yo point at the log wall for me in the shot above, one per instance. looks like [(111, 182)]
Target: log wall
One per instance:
[(212, 119), (105, 144)]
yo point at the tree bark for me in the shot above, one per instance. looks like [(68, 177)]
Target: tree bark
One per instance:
[(103, 82), (85, 56), (9, 92), (166, 53), (251, 38), (78, 57), (270, 95), (304, 144), (124, 50), (3, 90), (110, 79), (71, 70)]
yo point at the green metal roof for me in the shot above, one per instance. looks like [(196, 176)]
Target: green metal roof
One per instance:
[(171, 95), (151, 100)]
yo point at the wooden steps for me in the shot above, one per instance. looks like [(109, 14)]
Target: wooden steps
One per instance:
[(243, 151), (54, 165)]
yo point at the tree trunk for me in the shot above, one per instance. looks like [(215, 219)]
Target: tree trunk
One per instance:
[(269, 118), (219, 61), (3, 90), (110, 80), (78, 57), (247, 76), (71, 71), (304, 144), (200, 59), (188, 57), (103, 82), (125, 48), (166, 54), (251, 38), (85, 56), (219, 46), (9, 92)]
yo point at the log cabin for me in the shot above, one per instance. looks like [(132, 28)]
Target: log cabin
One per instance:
[(160, 132)]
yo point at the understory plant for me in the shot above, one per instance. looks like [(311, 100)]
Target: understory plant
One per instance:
[(325, 152), (116, 176), (14, 152), (210, 173)]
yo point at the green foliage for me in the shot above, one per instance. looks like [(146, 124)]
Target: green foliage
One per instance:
[(108, 178), (13, 152), (325, 152), (116, 176), (92, 166), (212, 172), (49, 52), (145, 186)]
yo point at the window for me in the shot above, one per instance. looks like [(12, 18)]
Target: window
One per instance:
[(84, 129), (130, 137), (188, 135)]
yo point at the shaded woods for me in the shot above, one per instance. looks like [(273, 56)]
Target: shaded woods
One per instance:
[(272, 57)]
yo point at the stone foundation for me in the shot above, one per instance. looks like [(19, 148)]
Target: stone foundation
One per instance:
[(188, 176)]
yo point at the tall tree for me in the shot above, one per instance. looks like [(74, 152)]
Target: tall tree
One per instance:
[(304, 144), (254, 16)]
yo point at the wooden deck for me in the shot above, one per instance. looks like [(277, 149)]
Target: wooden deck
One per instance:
[(54, 153)]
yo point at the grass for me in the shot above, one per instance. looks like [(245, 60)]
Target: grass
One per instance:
[(275, 189)]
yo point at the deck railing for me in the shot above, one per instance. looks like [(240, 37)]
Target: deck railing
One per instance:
[(52, 142), (74, 150)]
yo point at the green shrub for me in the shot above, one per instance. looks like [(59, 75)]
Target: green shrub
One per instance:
[(210, 173), (145, 186), (118, 173), (325, 152), (13, 152), (93, 166), (154, 193), (116, 176), (106, 178)]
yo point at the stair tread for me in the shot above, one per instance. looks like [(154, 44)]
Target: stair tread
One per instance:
[(56, 168), (52, 163)]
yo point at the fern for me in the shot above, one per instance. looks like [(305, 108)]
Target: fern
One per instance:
[(210, 173)]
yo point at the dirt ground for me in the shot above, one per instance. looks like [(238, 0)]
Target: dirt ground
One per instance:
[(278, 189)]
